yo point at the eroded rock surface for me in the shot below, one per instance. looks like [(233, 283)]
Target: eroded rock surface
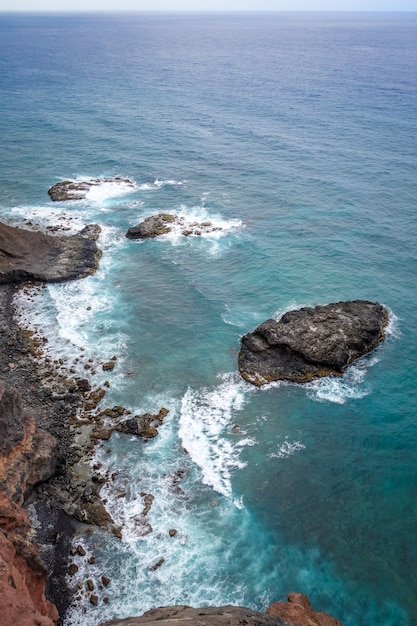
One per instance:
[(22, 572), (312, 342), (209, 616), (298, 610), (27, 255), (28, 454), (78, 189)]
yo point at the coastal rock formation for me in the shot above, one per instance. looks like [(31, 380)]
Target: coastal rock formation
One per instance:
[(28, 454), (311, 342), (164, 223), (209, 616), (34, 256), (298, 610), (22, 572), (145, 426), (78, 189)]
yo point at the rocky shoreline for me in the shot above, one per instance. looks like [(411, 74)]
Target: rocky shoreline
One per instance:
[(45, 469)]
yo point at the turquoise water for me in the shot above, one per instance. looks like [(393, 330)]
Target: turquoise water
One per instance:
[(296, 135)]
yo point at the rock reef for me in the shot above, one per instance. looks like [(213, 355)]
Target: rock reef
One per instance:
[(312, 342), (163, 223), (78, 189), (27, 256)]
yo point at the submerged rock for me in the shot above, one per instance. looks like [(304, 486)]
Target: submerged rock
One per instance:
[(312, 342), (78, 189), (27, 256)]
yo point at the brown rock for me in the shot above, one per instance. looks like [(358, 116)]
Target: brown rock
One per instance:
[(22, 573), (94, 599), (72, 569), (298, 610), (89, 584), (105, 581), (107, 367)]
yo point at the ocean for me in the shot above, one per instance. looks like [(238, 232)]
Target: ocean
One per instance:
[(295, 135)]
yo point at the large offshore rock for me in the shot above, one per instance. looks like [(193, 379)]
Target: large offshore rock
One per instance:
[(27, 255), (207, 616), (311, 342)]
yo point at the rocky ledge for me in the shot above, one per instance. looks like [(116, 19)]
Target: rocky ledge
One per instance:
[(27, 255), (163, 223), (296, 612), (312, 342), (78, 189)]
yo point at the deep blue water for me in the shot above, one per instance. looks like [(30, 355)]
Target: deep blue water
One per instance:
[(296, 134)]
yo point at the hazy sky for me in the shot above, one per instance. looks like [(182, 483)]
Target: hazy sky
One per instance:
[(207, 5)]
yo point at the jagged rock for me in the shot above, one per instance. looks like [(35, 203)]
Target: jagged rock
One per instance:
[(91, 231), (312, 342), (27, 256), (77, 189), (145, 426), (22, 572), (209, 616), (108, 366), (151, 227), (298, 610), (28, 454), (163, 223)]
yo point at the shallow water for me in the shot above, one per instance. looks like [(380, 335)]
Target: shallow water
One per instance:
[(295, 134)]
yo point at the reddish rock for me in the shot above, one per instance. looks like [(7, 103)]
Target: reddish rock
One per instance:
[(22, 572), (299, 611)]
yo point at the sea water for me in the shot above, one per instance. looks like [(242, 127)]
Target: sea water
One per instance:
[(295, 134)]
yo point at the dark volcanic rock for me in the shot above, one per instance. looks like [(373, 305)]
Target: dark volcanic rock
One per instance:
[(298, 610), (151, 227), (34, 256), (311, 342), (163, 223), (207, 616), (145, 426), (78, 189)]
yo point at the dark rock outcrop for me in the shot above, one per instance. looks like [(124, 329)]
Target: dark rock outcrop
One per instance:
[(163, 223), (78, 189), (145, 426), (27, 256), (209, 616), (312, 342), (298, 610)]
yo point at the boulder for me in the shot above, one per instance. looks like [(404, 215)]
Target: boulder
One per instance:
[(78, 189), (145, 426), (298, 610), (312, 342), (27, 256)]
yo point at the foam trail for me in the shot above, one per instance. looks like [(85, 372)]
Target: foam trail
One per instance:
[(205, 416)]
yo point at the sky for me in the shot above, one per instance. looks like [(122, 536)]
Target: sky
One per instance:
[(208, 5)]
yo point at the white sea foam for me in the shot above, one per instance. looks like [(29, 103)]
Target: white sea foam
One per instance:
[(286, 449), (205, 416), (107, 190), (70, 221), (158, 184)]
